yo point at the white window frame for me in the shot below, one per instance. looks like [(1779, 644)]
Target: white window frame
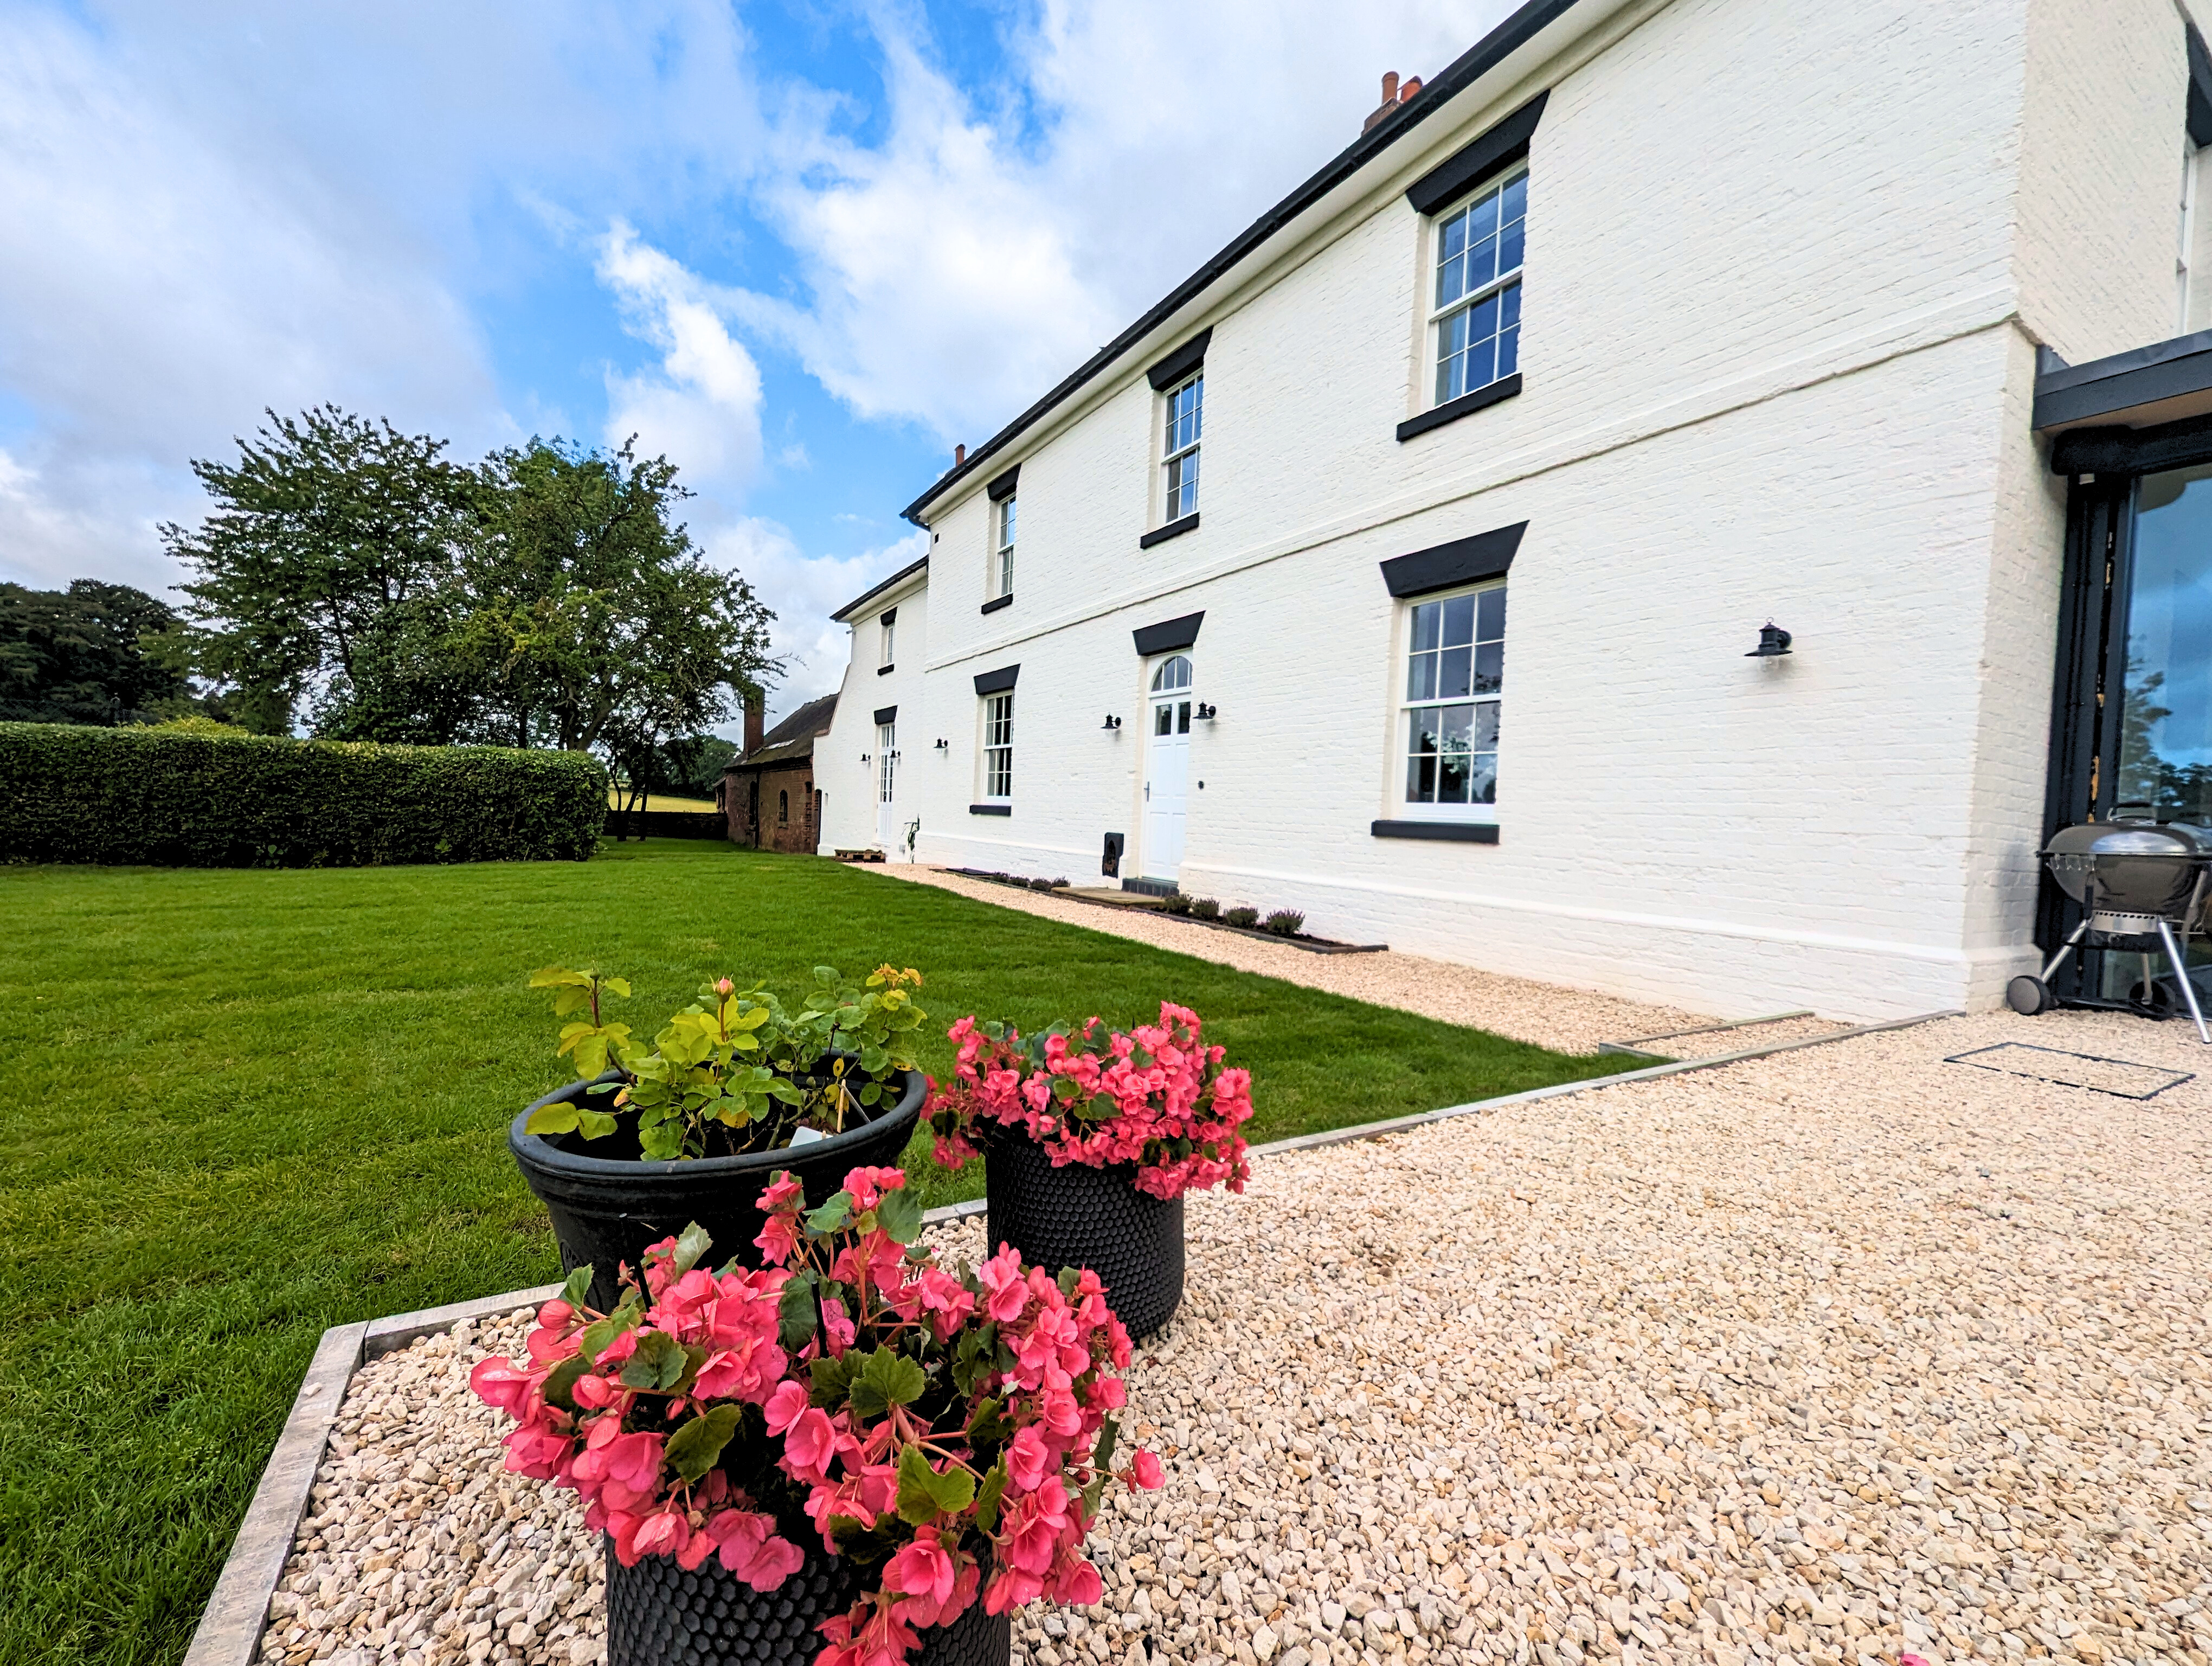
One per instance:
[(996, 716), (1406, 708), (1440, 314), (1003, 530), (889, 628), (1179, 456), (886, 761)]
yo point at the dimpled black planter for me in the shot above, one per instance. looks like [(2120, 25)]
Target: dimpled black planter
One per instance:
[(1073, 1216), (608, 1205), (657, 1614)]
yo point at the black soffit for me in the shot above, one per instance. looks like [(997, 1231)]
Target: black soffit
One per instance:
[(886, 714), (2142, 388), (1494, 151), (1181, 362), (1463, 561), (1530, 20), (996, 682), (1168, 635)]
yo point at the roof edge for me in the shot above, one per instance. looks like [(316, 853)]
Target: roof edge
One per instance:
[(1530, 20), (866, 596)]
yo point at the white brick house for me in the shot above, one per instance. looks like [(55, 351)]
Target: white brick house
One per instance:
[(1801, 283)]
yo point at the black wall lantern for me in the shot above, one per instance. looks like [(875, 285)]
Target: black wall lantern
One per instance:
[(1205, 712), (1111, 722), (942, 747), (1773, 642)]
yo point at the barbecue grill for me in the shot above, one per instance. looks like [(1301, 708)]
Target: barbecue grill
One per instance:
[(2143, 887)]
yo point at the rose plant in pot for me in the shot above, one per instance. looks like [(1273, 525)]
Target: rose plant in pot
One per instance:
[(734, 1088), (851, 1456), (1090, 1140)]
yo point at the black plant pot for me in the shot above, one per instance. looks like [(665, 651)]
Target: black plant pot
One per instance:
[(1074, 1216), (657, 1614), (610, 1205)]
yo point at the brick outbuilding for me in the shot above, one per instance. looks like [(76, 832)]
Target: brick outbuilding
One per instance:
[(767, 791)]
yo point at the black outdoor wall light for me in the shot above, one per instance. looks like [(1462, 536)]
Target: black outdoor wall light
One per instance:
[(1773, 642), (942, 747), (1111, 722), (1203, 711), (864, 757)]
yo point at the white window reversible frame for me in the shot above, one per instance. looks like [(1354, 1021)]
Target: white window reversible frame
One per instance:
[(890, 637), (998, 747), (1186, 416), (1002, 551), (1475, 290), (1454, 685)]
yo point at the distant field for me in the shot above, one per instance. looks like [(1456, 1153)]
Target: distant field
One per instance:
[(614, 801)]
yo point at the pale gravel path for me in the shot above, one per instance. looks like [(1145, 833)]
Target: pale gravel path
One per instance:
[(1548, 1015), (1806, 1360)]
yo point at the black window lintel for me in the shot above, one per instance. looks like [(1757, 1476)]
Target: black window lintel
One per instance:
[(1168, 635), (886, 714), (996, 682), (1002, 485), (1498, 149), (1463, 560), (1179, 363)]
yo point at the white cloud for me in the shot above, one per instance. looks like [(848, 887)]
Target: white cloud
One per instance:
[(702, 407)]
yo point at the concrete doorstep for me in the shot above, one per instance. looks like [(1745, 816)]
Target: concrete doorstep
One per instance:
[(238, 1611)]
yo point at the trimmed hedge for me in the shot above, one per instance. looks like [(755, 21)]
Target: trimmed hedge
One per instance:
[(148, 796)]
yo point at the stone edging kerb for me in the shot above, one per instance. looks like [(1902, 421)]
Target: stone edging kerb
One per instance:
[(231, 1626)]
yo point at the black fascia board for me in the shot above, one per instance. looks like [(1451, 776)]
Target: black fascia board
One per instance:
[(2140, 376), (996, 682), (1532, 18), (1463, 561), (886, 714), (843, 615), (1002, 485), (1499, 149), (2200, 87), (1179, 363), (1168, 635)]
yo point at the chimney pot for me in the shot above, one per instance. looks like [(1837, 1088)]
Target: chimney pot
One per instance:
[(1405, 93), (756, 721), (959, 455), (1391, 87)]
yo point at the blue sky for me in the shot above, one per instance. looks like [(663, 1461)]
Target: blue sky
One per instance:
[(801, 246)]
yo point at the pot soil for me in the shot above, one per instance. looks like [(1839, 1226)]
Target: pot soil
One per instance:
[(659, 1614), (1074, 1216), (610, 1205)]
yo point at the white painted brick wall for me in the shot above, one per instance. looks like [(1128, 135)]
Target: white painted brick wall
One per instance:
[(1789, 261)]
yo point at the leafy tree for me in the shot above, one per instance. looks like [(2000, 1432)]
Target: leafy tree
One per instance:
[(93, 654), (315, 569), (601, 624)]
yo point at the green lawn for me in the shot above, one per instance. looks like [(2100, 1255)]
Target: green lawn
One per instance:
[(236, 1107)]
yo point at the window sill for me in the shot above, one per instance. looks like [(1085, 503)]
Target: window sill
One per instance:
[(885, 671), (1173, 529), (990, 809), (1455, 832), (997, 602), (1466, 405)]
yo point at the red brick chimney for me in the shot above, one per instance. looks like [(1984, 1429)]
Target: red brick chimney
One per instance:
[(959, 455), (1394, 95), (756, 721)]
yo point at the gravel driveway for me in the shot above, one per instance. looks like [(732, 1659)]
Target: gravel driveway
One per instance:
[(1814, 1358)]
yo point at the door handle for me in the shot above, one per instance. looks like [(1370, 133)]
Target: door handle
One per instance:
[(1148, 792)]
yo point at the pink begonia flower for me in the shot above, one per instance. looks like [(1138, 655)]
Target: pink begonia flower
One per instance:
[(1002, 1276), (1027, 1456), (502, 1386), (784, 1405), (808, 1444), (1148, 1470), (749, 1547), (921, 1569)]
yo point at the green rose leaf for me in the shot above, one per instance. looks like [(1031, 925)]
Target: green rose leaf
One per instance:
[(553, 1119), (900, 1215), (691, 1244), (693, 1449)]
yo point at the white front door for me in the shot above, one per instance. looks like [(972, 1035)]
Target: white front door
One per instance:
[(887, 827), (1167, 767)]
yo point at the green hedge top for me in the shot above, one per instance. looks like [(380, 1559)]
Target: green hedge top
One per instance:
[(121, 796)]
